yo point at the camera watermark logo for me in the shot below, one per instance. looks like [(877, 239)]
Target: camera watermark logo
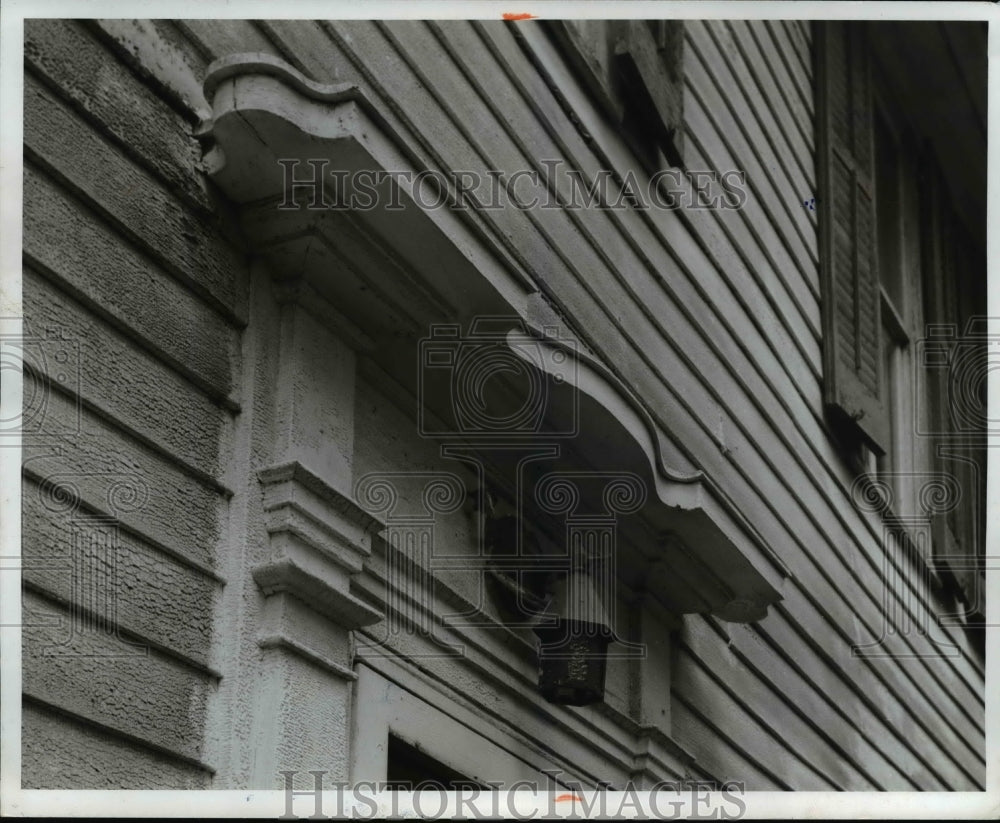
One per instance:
[(953, 365), (48, 361), (502, 401), (494, 382)]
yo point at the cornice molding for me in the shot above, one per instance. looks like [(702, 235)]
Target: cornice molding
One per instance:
[(320, 538), (265, 110)]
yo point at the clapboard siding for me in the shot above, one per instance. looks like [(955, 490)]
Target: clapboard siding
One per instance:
[(159, 599), (649, 249), (718, 754), (459, 131), (705, 272), (605, 240), (790, 348), (824, 663), (718, 271), (112, 680), (798, 72), (744, 109), (777, 77), (126, 254), (128, 383), (215, 38), (79, 69), (131, 200), (809, 521), (67, 241), (799, 36), (778, 704), (799, 309), (307, 47), (786, 124), (61, 751), (801, 677), (739, 721)]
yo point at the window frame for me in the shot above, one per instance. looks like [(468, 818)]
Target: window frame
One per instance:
[(635, 71), (880, 431), (901, 319), (387, 700)]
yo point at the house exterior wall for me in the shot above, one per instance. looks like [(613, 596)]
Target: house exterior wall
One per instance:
[(123, 258), (711, 316)]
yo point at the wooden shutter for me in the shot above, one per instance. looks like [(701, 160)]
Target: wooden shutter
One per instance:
[(589, 47), (649, 59), (634, 70), (852, 362)]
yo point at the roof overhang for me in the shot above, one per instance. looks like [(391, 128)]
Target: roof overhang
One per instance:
[(397, 267)]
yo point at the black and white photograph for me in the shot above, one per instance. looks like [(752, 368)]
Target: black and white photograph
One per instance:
[(551, 411)]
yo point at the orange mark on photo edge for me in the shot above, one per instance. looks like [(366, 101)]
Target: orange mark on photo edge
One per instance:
[(509, 15), (563, 797)]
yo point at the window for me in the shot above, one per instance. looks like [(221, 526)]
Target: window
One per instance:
[(633, 68), (408, 767), (392, 711), (897, 261), (852, 328), (955, 359), (899, 275)]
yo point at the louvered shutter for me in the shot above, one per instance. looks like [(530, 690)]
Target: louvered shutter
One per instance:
[(852, 362), (634, 69), (649, 59)]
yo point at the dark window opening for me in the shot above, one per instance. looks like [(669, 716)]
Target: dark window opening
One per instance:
[(409, 767)]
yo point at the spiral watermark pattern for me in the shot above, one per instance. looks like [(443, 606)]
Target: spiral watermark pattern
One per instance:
[(48, 362), (625, 494), (871, 494), (939, 494), (494, 380), (444, 494), (376, 493), (59, 495), (557, 495), (126, 497)]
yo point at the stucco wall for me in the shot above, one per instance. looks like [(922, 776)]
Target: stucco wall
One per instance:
[(128, 275)]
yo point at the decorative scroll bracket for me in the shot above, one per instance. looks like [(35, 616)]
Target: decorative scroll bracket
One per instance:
[(394, 272)]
